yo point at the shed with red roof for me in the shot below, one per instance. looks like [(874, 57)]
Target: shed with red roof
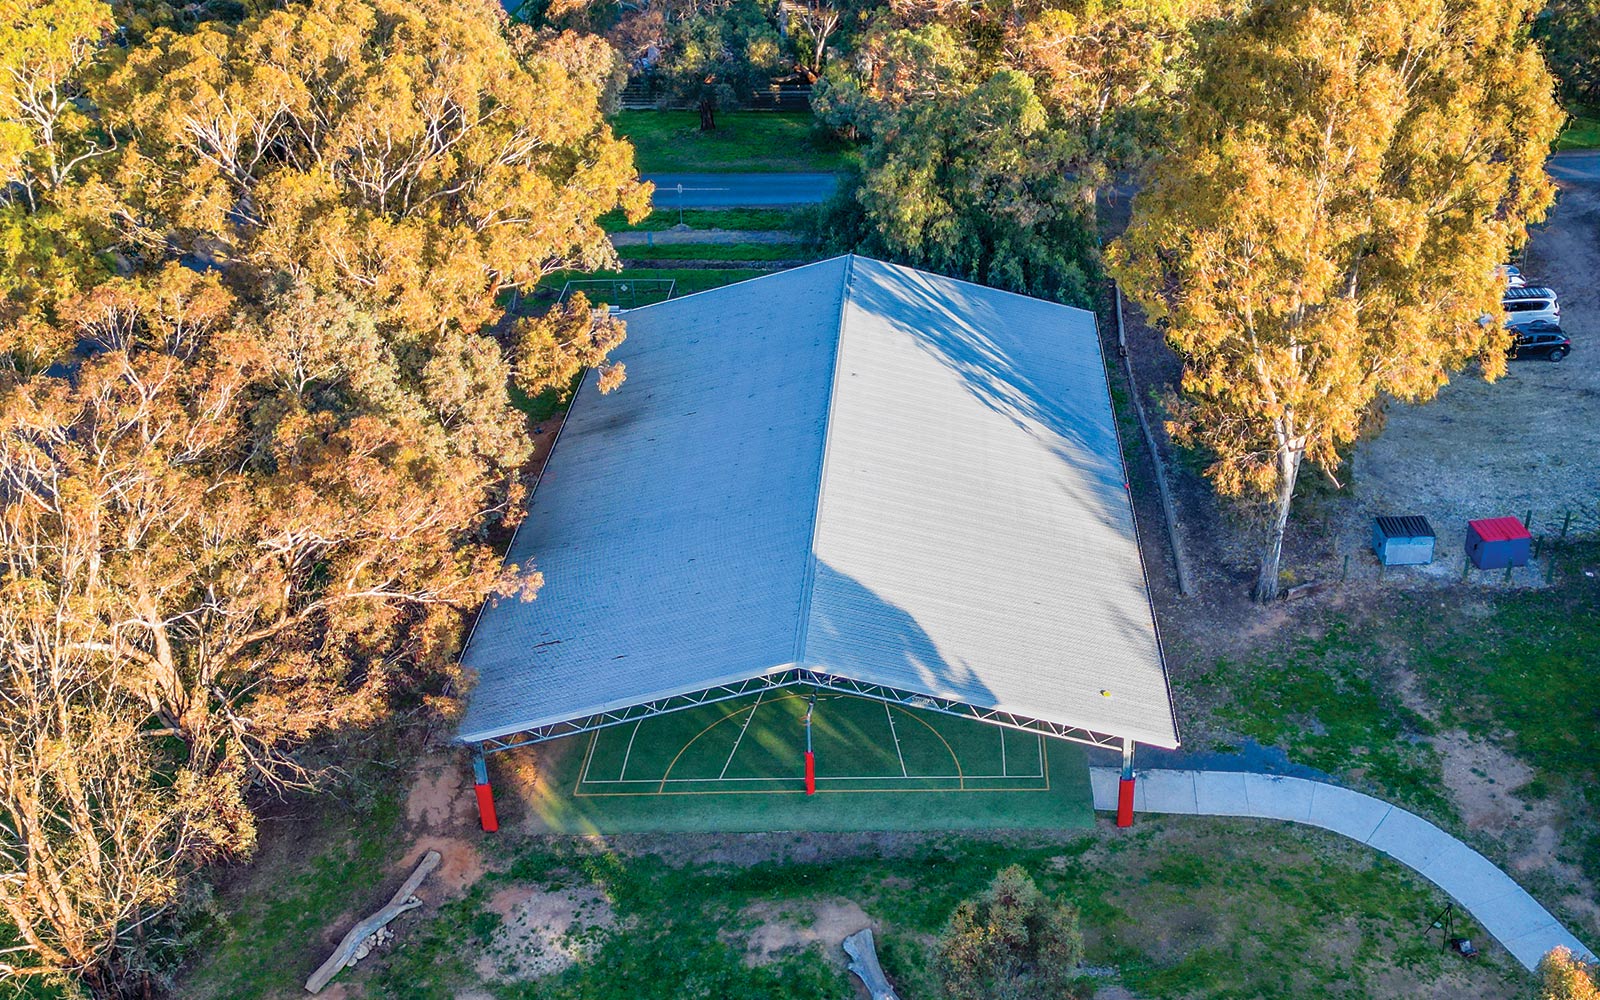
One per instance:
[(1498, 542)]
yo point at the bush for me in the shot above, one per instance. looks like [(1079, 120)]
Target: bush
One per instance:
[(1011, 942)]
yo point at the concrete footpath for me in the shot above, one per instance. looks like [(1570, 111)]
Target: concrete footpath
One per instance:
[(1506, 911)]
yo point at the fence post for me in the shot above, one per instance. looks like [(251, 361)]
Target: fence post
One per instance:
[(1527, 521), (1344, 574), (1566, 522), (1169, 514), (1466, 567)]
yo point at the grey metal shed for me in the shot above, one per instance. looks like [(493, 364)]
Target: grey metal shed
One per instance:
[(1403, 541)]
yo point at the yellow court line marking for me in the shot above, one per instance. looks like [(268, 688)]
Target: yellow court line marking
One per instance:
[(588, 755), (960, 775), (577, 791), (665, 774)]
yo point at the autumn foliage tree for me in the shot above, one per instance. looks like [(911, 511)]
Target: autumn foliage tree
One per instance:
[(1116, 75), (1324, 234), (1563, 976), (250, 455)]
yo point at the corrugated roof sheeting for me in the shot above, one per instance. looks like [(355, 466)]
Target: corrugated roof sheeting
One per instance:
[(913, 482), (974, 537), (673, 521)]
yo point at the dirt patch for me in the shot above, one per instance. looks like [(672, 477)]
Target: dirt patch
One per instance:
[(459, 865), (440, 798), (542, 932), (1483, 780), (784, 928)]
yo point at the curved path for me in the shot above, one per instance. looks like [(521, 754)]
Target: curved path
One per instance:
[(1505, 910)]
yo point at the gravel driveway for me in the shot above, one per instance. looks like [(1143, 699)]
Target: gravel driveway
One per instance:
[(1528, 442)]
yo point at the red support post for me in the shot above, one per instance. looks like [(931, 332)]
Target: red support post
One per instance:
[(480, 774), (1125, 787), (486, 808), (811, 773)]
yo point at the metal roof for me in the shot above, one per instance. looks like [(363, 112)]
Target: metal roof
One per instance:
[(851, 468), (1405, 526), (1499, 529)]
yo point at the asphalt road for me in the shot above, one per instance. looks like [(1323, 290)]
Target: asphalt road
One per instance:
[(741, 190), (1582, 166)]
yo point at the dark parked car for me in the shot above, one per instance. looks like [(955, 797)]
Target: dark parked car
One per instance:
[(1539, 339)]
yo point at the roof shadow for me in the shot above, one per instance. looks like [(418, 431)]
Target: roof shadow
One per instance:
[(942, 320), (853, 632)]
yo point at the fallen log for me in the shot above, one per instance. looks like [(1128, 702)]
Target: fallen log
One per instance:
[(1311, 589), (864, 963), (400, 902)]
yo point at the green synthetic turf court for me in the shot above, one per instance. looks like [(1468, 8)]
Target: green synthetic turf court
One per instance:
[(739, 766)]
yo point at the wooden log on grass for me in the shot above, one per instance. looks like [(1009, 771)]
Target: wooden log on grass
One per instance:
[(400, 902), (864, 963)]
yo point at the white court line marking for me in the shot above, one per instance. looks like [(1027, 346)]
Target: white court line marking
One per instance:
[(740, 738), (622, 775), (842, 777), (1002, 734), (896, 734)]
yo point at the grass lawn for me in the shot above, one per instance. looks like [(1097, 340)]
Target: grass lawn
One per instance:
[(757, 219), (1511, 667), (743, 142), (1583, 132), (739, 766), (1325, 700), (718, 251), (1191, 908)]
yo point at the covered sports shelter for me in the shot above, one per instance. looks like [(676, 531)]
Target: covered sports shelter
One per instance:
[(846, 528)]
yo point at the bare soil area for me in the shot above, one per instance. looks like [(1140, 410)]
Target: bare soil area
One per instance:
[(1529, 442), (542, 931), (780, 929)]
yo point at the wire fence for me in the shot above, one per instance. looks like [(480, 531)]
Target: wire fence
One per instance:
[(621, 293), (1554, 535), (1562, 538)]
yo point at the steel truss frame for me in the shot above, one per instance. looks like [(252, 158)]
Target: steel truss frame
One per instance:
[(793, 678)]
